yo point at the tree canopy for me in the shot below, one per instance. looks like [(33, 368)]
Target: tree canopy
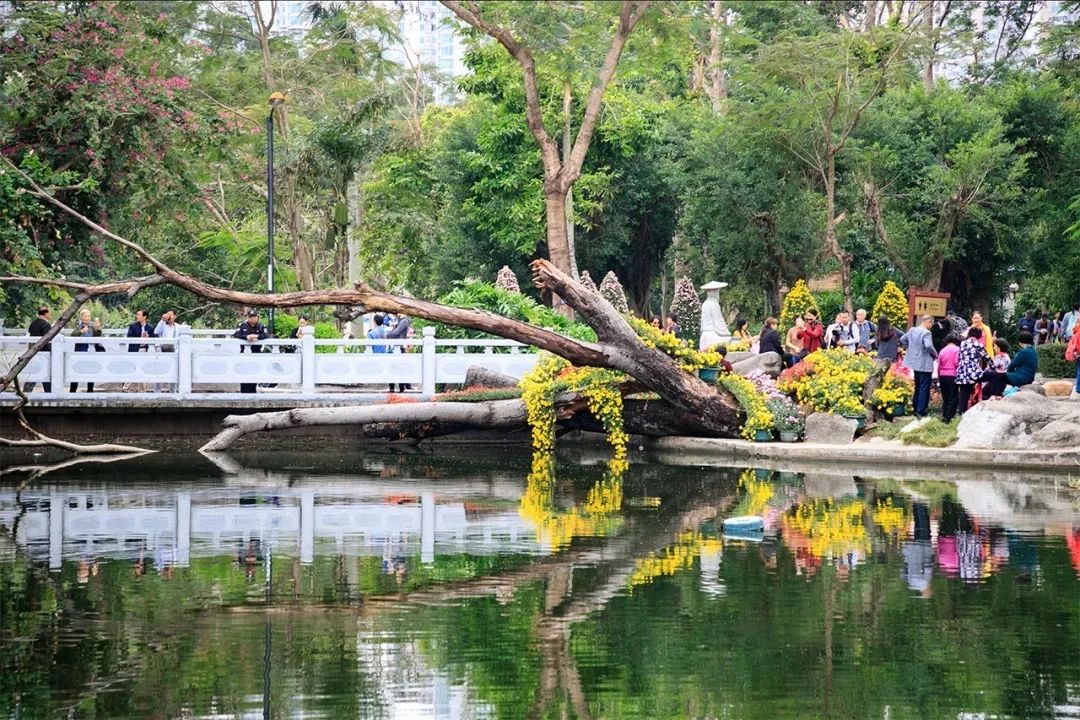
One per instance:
[(930, 143)]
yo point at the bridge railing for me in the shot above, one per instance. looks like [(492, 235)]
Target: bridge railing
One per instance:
[(190, 366)]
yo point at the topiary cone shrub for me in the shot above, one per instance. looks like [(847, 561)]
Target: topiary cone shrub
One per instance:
[(507, 280), (798, 300), (892, 303), (686, 307), (587, 281), (612, 291)]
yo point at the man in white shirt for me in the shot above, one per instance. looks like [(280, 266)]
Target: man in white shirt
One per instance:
[(839, 334)]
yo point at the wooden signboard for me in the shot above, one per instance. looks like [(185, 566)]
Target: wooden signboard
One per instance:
[(924, 302)]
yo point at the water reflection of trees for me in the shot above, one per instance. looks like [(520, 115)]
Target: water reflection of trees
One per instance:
[(561, 635)]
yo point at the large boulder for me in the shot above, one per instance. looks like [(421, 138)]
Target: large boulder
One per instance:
[(1025, 420), (768, 363), (830, 429), (1063, 433), (739, 356)]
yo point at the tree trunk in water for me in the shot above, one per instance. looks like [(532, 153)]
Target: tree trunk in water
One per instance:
[(928, 28), (831, 241)]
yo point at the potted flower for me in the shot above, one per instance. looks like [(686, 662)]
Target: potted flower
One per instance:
[(787, 420), (893, 395), (852, 409), (711, 360)]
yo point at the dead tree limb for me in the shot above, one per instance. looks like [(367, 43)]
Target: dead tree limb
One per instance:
[(86, 292)]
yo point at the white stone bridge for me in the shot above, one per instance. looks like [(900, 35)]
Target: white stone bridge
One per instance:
[(194, 366)]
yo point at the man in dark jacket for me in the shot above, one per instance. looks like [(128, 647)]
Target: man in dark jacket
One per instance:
[(40, 327), (252, 331), (139, 329)]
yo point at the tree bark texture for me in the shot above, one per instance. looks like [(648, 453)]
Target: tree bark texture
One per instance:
[(717, 87)]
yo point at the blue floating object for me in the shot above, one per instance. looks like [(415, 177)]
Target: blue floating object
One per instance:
[(754, 536), (744, 523)]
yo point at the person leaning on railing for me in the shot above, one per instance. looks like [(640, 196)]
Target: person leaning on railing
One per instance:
[(252, 331), (86, 329)]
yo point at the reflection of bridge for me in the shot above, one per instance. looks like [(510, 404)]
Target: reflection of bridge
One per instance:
[(360, 519)]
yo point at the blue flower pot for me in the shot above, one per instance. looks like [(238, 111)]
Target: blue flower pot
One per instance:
[(859, 419), (762, 436), (709, 375)]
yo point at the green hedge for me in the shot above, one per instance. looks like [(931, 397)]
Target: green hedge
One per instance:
[(1052, 362), (324, 330)]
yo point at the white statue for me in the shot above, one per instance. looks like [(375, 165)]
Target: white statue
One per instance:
[(713, 328)]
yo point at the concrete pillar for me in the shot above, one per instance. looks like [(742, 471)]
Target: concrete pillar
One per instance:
[(428, 346), (56, 364), (307, 363), (56, 530), (183, 528), (427, 528), (307, 526)]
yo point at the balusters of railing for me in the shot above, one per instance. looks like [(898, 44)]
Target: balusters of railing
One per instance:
[(184, 348), (307, 363), (428, 362), (56, 362)]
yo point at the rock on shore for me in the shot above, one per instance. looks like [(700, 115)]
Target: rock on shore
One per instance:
[(1022, 421)]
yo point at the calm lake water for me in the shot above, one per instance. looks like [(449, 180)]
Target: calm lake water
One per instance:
[(483, 585)]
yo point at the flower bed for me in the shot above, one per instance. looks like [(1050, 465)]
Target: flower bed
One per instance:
[(829, 381)]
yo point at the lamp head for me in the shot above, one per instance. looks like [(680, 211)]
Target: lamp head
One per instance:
[(276, 99)]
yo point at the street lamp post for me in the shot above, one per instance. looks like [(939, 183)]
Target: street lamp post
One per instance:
[(276, 99)]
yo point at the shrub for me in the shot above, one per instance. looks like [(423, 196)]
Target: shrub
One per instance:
[(686, 307), (765, 384), (587, 281), (829, 381), (612, 291), (1052, 362), (786, 415), (798, 300), (830, 302), (507, 280), (894, 390), (892, 303), (479, 295), (284, 325), (753, 404)]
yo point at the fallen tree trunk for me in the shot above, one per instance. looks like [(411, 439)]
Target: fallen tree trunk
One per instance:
[(711, 410), (492, 414)]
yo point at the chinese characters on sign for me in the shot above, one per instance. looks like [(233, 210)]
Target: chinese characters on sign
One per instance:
[(925, 302)]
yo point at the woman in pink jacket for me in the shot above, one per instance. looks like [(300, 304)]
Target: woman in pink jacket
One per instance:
[(948, 360)]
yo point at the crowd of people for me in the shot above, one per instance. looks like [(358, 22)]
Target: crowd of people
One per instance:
[(969, 361)]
